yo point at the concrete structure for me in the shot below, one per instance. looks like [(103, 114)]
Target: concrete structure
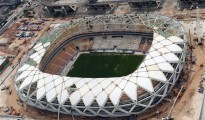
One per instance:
[(191, 3), (116, 96), (137, 4), (65, 7), (145, 4), (11, 3), (6, 6), (13, 18)]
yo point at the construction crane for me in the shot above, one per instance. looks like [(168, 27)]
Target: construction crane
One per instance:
[(198, 31), (169, 116)]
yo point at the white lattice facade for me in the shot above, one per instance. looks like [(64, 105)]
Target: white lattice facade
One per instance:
[(116, 96)]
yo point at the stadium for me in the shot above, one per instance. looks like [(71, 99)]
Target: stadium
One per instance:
[(109, 65)]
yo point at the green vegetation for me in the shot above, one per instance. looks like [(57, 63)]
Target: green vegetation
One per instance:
[(44, 40), (102, 65)]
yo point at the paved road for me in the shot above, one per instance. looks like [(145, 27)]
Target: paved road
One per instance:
[(14, 18), (10, 117), (6, 73), (202, 112)]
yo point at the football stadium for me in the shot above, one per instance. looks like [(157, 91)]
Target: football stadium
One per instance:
[(106, 65)]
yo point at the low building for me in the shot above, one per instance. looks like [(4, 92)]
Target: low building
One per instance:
[(136, 4), (61, 7), (3, 62), (4, 41), (64, 7)]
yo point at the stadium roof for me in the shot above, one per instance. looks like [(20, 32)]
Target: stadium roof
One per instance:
[(158, 61)]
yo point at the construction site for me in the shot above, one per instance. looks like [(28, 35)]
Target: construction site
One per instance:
[(37, 53)]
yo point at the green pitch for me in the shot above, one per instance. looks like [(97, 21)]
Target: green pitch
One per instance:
[(102, 65)]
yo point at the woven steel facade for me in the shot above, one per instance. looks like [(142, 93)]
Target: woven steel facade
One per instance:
[(116, 96)]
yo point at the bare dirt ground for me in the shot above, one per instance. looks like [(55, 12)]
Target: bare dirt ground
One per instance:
[(189, 106)]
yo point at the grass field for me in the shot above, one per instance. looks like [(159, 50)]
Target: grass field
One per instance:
[(102, 65)]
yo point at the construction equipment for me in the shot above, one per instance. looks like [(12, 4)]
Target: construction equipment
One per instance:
[(203, 76), (199, 39), (201, 89)]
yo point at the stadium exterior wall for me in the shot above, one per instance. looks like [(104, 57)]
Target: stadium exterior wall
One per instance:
[(103, 96)]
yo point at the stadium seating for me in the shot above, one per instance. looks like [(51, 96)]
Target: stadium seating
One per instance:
[(144, 45), (52, 68), (57, 64)]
